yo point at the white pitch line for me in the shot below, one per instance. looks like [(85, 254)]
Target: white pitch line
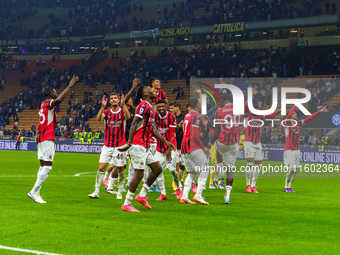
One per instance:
[(27, 251), (78, 174)]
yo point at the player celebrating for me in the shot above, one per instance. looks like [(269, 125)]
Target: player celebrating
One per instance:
[(156, 87), (291, 154), (141, 130), (194, 154), (129, 106), (253, 146), (46, 137), (114, 137), (166, 126), (175, 109), (225, 139)]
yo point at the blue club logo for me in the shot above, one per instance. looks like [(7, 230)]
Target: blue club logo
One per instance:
[(336, 119)]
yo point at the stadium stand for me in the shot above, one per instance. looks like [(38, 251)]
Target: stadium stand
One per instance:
[(77, 18)]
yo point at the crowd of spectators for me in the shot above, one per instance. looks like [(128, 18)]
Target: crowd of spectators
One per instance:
[(171, 63), (84, 17), (222, 61), (310, 139), (325, 89)]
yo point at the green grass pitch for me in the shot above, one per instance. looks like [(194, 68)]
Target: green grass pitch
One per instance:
[(271, 222)]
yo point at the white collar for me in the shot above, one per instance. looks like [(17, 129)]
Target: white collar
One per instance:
[(148, 103), (116, 111)]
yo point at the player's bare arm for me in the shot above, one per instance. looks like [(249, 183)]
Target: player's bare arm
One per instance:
[(100, 115), (63, 94), (255, 91), (324, 109), (125, 109), (310, 117), (199, 92), (161, 138), (134, 86)]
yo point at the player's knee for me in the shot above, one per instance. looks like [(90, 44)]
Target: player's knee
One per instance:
[(157, 170), (101, 169), (139, 174), (120, 169)]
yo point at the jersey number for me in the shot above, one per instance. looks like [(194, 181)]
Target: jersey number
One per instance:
[(232, 122), (120, 156), (41, 116), (186, 122)]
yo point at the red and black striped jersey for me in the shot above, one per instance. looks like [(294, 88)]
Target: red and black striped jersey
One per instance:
[(143, 134), (115, 125), (253, 127), (191, 139), (293, 136), (229, 131), (160, 95), (292, 132), (166, 126), (179, 131), (47, 121)]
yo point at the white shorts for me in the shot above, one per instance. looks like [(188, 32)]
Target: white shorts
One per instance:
[(171, 165), (106, 155), (229, 152), (153, 147), (119, 157), (46, 150), (141, 156), (291, 159), (179, 157), (253, 150), (195, 161)]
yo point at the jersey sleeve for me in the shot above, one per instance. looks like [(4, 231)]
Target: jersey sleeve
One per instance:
[(164, 96), (173, 122), (291, 112), (105, 113), (196, 121), (172, 128), (271, 115), (310, 117), (246, 109), (122, 113), (48, 103), (141, 110), (195, 131)]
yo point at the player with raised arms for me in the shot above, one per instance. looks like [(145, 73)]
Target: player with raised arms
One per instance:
[(225, 141), (291, 155), (166, 126), (46, 137), (114, 137), (194, 154), (253, 145), (155, 84), (142, 128)]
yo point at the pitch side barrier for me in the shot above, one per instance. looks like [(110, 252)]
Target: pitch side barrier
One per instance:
[(271, 152)]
